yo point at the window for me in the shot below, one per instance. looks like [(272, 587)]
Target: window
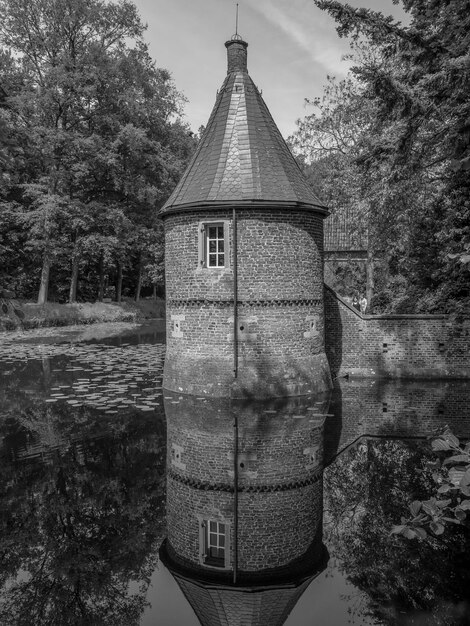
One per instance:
[(214, 543), (215, 552), (213, 245)]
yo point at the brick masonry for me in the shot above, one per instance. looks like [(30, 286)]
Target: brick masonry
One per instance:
[(280, 311), (280, 472), (283, 445), (394, 346), (391, 408)]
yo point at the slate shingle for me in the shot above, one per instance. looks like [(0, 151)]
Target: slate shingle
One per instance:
[(220, 606), (241, 156)]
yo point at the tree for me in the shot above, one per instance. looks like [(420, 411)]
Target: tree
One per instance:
[(96, 121), (414, 153), (330, 141)]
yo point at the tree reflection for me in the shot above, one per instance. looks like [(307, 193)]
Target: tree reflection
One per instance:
[(367, 489), (82, 521)]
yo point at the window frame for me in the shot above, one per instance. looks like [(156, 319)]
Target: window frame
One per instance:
[(205, 544), (203, 247)]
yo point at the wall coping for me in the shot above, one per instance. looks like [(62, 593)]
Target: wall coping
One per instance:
[(388, 316)]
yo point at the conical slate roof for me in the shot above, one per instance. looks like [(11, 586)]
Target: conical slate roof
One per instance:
[(241, 158), (261, 598), (221, 606)]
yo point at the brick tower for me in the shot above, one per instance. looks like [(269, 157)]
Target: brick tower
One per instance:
[(244, 257), (244, 506)]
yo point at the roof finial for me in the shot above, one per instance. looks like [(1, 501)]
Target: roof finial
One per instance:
[(236, 37)]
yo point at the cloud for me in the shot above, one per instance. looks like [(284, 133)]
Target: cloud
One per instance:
[(311, 30)]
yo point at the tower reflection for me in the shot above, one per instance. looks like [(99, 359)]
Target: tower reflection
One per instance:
[(244, 505)]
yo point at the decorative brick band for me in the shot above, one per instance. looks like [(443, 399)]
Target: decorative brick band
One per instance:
[(205, 486), (193, 302)]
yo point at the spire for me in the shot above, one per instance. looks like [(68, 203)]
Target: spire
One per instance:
[(242, 158), (236, 51)]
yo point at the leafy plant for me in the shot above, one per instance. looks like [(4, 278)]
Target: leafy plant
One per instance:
[(451, 503)]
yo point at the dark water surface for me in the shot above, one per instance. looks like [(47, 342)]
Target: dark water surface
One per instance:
[(86, 501)]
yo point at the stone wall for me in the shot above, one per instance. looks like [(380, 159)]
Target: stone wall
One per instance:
[(394, 346), (280, 330)]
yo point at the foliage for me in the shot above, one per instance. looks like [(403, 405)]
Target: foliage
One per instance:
[(94, 144), (346, 280), (395, 135), (82, 523), (452, 500), (365, 488)]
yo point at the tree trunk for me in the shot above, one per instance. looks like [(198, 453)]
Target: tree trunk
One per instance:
[(154, 293), (119, 282), (139, 282), (369, 278), (101, 279), (45, 272), (46, 371), (74, 279)]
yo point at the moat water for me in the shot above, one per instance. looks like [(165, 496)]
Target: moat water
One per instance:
[(84, 423)]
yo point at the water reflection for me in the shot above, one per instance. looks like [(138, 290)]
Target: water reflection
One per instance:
[(81, 499), (244, 505), (249, 509), (80, 520), (367, 489), (394, 409), (246, 517)]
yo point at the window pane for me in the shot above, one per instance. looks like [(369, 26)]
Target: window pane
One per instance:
[(213, 527), (216, 553), (221, 528), (212, 540), (214, 246), (222, 541)]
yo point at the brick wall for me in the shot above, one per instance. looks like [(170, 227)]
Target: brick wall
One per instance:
[(280, 477), (280, 326), (274, 528), (390, 408), (280, 256), (395, 346), (275, 447)]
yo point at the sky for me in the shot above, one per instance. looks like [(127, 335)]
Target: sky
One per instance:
[(292, 48)]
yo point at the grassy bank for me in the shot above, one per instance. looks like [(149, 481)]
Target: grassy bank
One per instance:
[(25, 315)]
